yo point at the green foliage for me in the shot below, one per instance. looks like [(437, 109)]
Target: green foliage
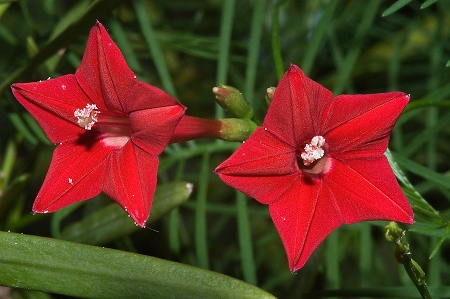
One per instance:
[(186, 48)]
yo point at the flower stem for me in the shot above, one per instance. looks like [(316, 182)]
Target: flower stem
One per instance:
[(403, 256)]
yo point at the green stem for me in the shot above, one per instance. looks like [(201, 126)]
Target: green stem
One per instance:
[(403, 256)]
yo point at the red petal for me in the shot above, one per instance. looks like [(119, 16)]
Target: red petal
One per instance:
[(295, 110), (103, 73), (361, 124), (145, 96), (366, 189), (304, 215), (154, 116), (52, 103), (130, 180), (263, 167), (75, 174)]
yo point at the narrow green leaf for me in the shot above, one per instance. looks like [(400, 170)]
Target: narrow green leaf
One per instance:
[(36, 128), (8, 161), (86, 271), (417, 201), (394, 7), (124, 45), (439, 243), (347, 66), (277, 57), (201, 238), (22, 128), (154, 47), (427, 3), (11, 193), (223, 59), (318, 35), (97, 10), (422, 171), (448, 64), (112, 222), (3, 7), (254, 50), (245, 239)]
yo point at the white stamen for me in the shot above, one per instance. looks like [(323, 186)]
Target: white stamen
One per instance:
[(87, 117), (313, 150)]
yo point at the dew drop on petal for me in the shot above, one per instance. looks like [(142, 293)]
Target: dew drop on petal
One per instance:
[(63, 87)]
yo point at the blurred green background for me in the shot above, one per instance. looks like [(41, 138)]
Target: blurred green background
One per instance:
[(188, 47)]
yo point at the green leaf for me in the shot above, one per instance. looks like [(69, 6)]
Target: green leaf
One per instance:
[(13, 191), (422, 208), (422, 171), (86, 271), (85, 21), (112, 222), (427, 3), (448, 64), (394, 7)]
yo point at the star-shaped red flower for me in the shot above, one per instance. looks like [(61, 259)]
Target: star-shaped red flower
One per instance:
[(318, 162), (109, 129)]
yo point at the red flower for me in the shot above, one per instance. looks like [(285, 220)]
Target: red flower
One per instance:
[(318, 162), (109, 129)]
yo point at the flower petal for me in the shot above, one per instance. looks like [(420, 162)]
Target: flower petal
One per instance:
[(263, 167), (52, 103), (103, 73), (304, 215), (361, 124), (130, 180), (75, 174), (145, 96), (295, 110), (366, 189), (154, 116)]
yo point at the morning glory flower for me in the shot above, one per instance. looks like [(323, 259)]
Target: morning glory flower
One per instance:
[(318, 162), (108, 127)]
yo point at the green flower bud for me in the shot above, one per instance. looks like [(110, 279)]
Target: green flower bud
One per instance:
[(232, 101)]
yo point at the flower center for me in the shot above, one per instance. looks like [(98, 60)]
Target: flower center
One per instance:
[(114, 128), (313, 151), (313, 160), (87, 117)]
